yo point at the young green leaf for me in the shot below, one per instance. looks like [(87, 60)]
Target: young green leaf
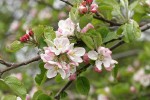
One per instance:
[(15, 46), (88, 41), (49, 33), (84, 20), (16, 86), (38, 33), (83, 85), (41, 78)]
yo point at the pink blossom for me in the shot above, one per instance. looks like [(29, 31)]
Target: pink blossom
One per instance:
[(65, 28), (87, 27), (102, 56), (75, 53), (93, 8), (97, 70)]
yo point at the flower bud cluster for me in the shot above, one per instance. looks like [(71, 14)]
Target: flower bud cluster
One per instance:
[(87, 6), (26, 37)]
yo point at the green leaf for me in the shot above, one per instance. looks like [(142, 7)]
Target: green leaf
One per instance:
[(41, 78), (110, 36), (3, 85), (49, 33), (63, 95), (10, 97), (16, 86), (131, 31), (84, 20), (83, 85), (36, 94), (115, 71), (74, 14), (88, 41), (39, 95), (15, 46), (44, 97), (38, 33), (96, 36)]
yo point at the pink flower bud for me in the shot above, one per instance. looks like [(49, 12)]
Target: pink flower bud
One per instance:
[(83, 9), (28, 97), (132, 89), (83, 3), (93, 8), (86, 58), (109, 68), (72, 77), (89, 1), (97, 70), (30, 32), (87, 27), (24, 38)]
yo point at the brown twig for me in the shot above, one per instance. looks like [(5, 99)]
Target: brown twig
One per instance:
[(5, 63), (67, 2), (16, 65), (145, 27)]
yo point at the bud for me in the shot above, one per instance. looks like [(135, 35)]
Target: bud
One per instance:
[(83, 3), (24, 38), (72, 77), (132, 89), (86, 58), (109, 68), (29, 32), (97, 70), (87, 27), (83, 9), (93, 8), (89, 1)]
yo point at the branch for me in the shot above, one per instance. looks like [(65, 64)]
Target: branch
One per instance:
[(145, 27), (117, 45), (16, 65), (67, 2), (78, 72), (105, 20), (5, 63)]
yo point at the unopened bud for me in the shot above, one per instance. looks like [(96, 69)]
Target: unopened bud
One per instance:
[(72, 77), (89, 1), (93, 8), (97, 70), (83, 9)]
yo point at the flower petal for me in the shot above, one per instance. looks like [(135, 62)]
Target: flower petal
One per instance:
[(98, 64), (92, 55), (79, 51), (62, 73), (51, 73)]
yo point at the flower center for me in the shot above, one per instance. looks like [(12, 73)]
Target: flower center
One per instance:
[(100, 57), (56, 68)]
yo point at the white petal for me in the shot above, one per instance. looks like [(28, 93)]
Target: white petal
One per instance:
[(76, 59), (79, 51), (51, 73), (61, 23), (48, 66), (93, 55), (107, 63), (62, 73), (98, 64)]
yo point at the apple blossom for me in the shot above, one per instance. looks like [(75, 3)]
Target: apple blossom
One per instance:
[(54, 69), (65, 28), (61, 45), (76, 53), (93, 8), (102, 56)]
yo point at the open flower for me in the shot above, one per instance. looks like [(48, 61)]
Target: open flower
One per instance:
[(66, 28), (102, 56), (61, 45), (75, 53), (54, 69)]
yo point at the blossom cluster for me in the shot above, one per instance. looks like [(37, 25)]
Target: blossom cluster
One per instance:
[(87, 6), (62, 57)]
